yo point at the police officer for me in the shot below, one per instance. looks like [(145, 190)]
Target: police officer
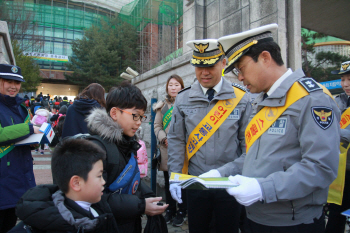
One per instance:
[(211, 105), (336, 221), (292, 138), (16, 164)]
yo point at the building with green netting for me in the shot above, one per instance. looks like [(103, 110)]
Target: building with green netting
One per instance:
[(54, 24)]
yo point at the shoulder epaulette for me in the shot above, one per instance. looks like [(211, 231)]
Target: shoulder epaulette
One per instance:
[(310, 84), (239, 86), (186, 88)]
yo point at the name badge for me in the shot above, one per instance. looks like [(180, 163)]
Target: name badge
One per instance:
[(278, 127), (190, 111), (234, 115)]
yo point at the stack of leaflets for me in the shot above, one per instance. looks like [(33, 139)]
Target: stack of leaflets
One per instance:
[(194, 182), (45, 137)]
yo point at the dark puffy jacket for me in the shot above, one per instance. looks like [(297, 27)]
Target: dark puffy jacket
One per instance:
[(127, 208), (46, 209), (75, 120), (32, 107), (16, 167), (64, 102)]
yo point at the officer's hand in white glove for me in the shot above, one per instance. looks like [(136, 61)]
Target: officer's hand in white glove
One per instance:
[(247, 192), (175, 191), (211, 173)]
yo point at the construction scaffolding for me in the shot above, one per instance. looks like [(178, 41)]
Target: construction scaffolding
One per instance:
[(57, 23), (159, 24)]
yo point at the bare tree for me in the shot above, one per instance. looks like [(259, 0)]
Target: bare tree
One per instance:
[(22, 24)]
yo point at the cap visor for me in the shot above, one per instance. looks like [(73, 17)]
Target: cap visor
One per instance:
[(12, 78), (205, 65)]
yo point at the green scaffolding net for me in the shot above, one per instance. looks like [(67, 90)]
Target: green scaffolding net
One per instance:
[(142, 12), (59, 22)]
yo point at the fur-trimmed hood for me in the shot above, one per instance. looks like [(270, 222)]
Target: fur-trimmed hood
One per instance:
[(99, 122)]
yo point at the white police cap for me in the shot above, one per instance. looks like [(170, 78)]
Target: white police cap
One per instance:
[(205, 52), (236, 45)]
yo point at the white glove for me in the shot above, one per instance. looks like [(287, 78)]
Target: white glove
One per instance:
[(211, 173), (247, 192), (175, 191)]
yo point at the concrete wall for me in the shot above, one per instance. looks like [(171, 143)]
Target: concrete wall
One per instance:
[(216, 18), (6, 53)]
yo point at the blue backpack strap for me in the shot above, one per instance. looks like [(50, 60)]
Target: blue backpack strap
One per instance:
[(128, 180)]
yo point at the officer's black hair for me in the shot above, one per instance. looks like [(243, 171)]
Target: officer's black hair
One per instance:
[(126, 96), (272, 47), (73, 157)]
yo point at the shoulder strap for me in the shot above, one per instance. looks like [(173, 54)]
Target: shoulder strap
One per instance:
[(186, 88), (239, 86), (309, 84)]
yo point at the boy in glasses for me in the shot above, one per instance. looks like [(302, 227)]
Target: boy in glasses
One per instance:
[(115, 128)]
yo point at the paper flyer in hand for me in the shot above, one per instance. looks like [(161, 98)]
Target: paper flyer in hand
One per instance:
[(46, 136), (194, 182)]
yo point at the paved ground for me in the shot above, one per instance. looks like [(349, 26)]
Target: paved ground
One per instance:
[(42, 172)]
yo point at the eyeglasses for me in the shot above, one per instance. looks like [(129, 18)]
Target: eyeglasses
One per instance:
[(135, 117), (238, 71)]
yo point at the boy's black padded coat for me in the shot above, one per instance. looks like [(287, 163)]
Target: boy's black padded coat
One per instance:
[(126, 208), (46, 209)]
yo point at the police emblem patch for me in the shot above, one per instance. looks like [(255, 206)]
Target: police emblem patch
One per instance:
[(201, 47), (323, 116), (134, 187), (14, 69)]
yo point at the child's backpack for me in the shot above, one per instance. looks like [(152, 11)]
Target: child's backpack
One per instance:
[(142, 159), (41, 116), (39, 120), (58, 130)]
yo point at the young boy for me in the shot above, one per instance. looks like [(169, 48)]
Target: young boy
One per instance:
[(115, 128), (74, 204)]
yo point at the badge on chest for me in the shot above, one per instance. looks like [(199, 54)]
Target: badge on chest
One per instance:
[(234, 115), (278, 127)]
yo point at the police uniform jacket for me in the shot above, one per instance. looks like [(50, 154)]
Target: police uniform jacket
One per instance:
[(225, 145), (295, 160), (16, 167), (342, 101)]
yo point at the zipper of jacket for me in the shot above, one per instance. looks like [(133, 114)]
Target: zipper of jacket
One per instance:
[(257, 152), (291, 202)]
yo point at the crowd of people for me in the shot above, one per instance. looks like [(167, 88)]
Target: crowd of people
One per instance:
[(280, 151)]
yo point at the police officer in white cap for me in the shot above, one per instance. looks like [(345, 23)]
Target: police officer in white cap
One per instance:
[(292, 138), (336, 221), (16, 164), (206, 132)]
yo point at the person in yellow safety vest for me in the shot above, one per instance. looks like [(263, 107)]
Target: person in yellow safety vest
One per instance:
[(208, 123), (292, 138), (336, 221)]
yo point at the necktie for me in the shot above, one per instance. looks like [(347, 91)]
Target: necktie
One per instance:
[(210, 93), (265, 96), (348, 102)]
